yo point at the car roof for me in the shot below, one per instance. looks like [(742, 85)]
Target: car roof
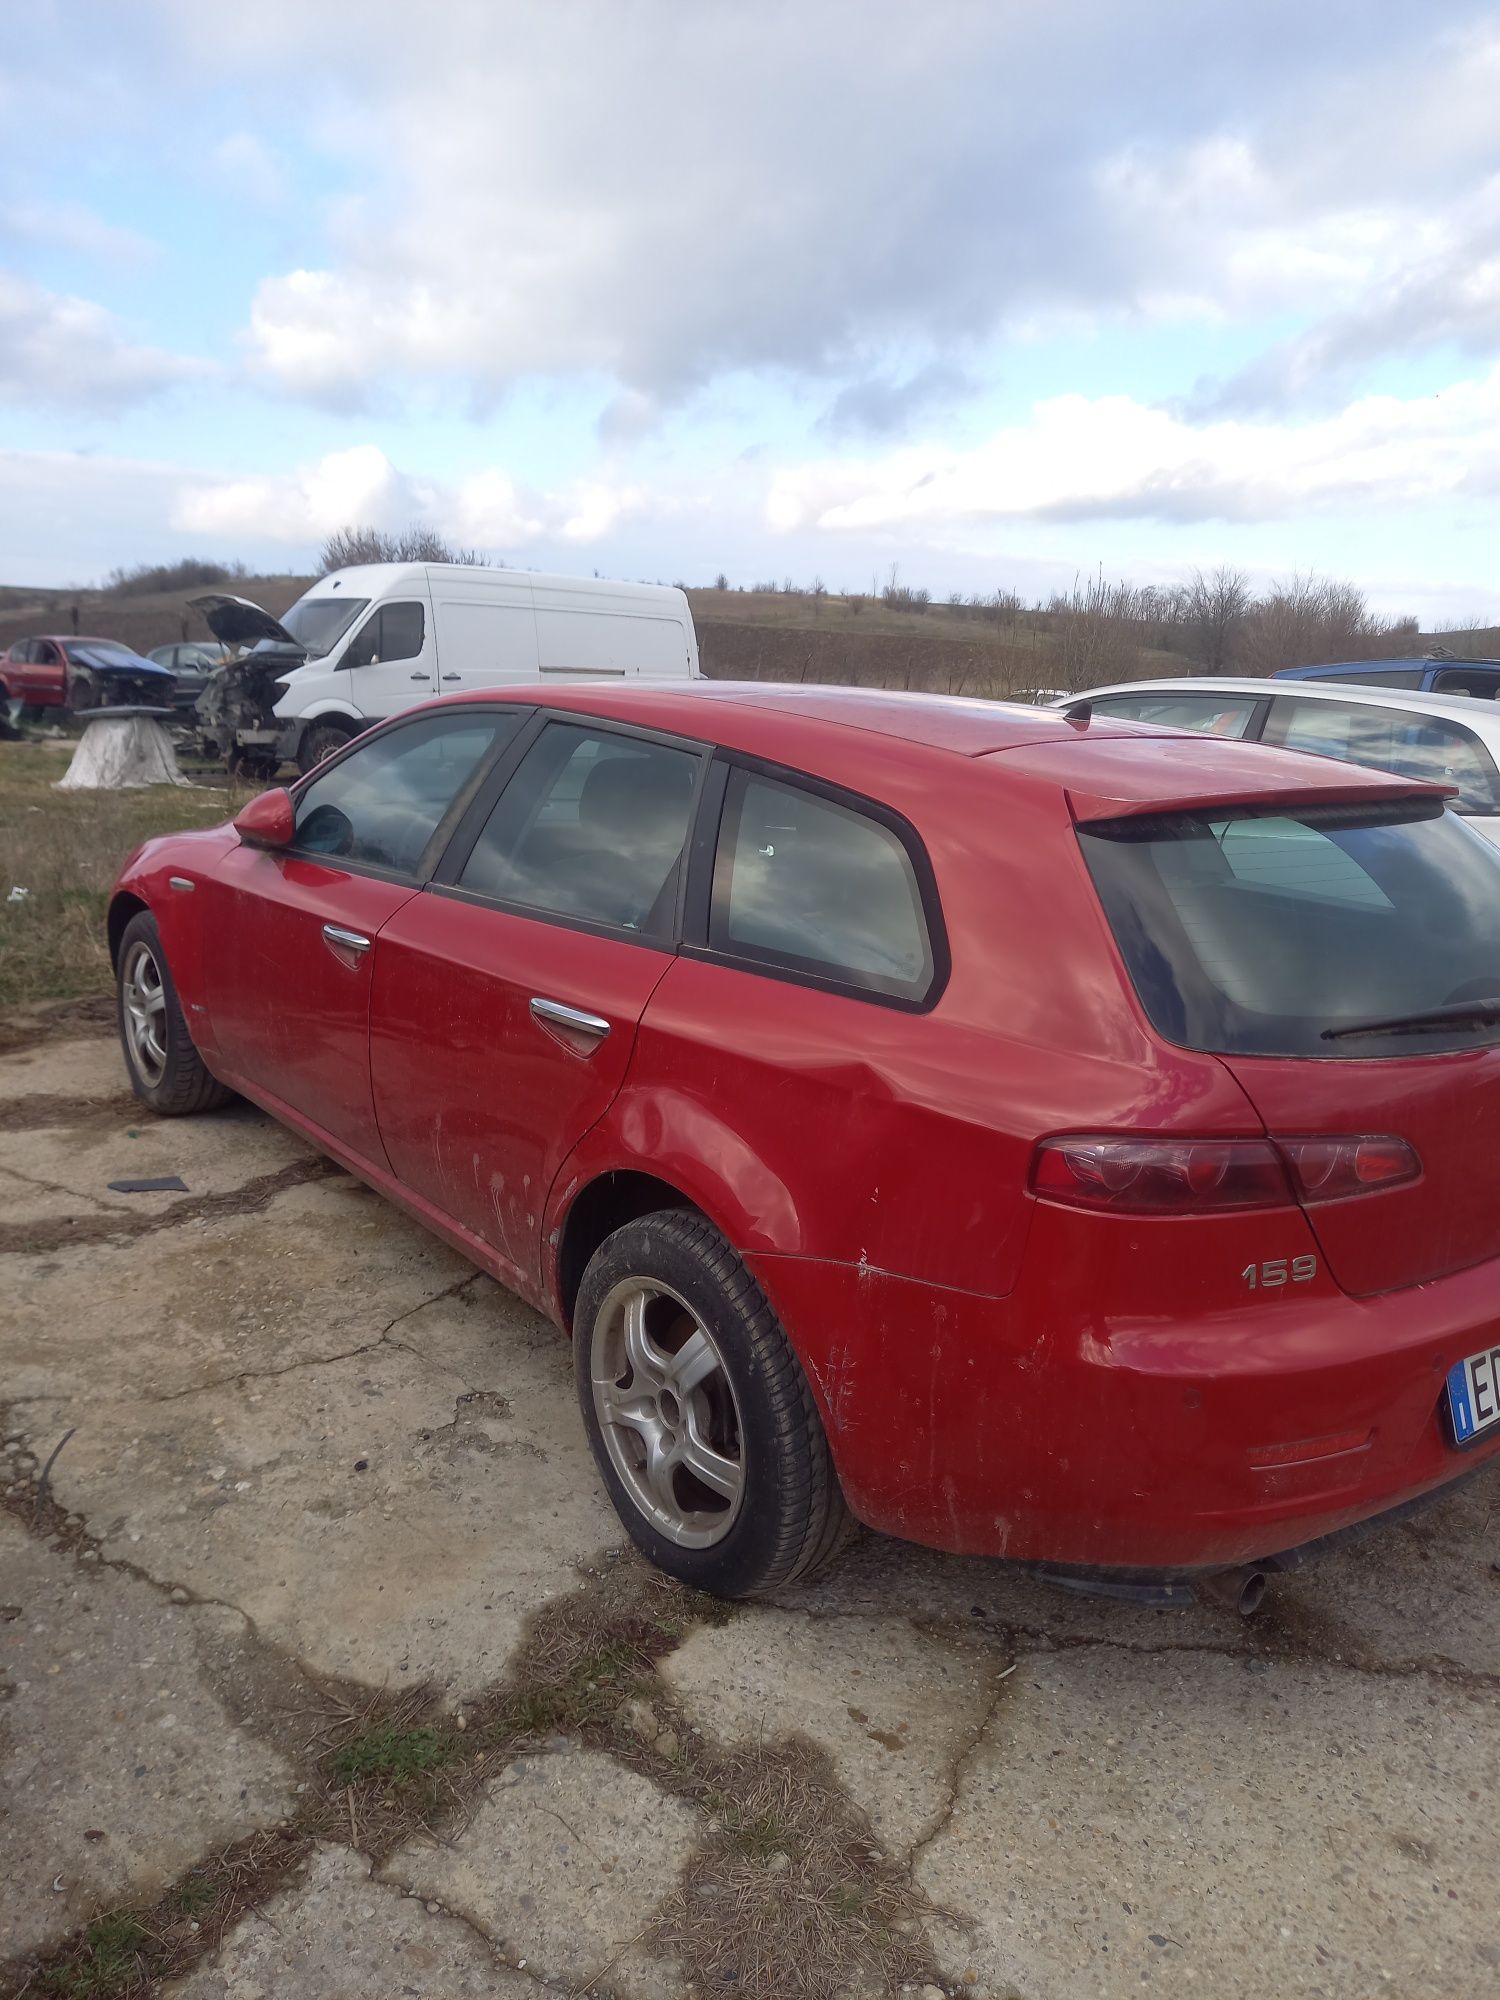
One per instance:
[(1471, 710), (75, 639), (1442, 662), (1106, 767)]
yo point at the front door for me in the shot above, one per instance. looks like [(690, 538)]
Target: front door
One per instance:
[(391, 661), (507, 995), (289, 982)]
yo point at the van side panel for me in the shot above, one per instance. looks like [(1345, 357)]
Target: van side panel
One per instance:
[(583, 639)]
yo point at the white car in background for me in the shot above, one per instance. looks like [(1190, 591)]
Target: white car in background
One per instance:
[(1447, 738)]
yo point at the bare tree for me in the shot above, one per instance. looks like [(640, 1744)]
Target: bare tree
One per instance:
[(347, 547), (1213, 611)]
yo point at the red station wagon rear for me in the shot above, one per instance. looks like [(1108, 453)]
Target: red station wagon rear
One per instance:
[(1048, 1139)]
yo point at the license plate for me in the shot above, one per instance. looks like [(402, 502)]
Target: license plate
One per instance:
[(1474, 1395)]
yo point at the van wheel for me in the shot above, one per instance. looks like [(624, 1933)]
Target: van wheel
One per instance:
[(320, 742), (165, 1070), (699, 1415)]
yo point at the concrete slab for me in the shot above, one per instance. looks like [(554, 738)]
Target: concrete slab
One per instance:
[(892, 1708), (564, 1865), (338, 1935), (83, 1066), (1190, 1825), (1420, 1592), (314, 1272), (118, 1765), (66, 1170), (392, 1516)]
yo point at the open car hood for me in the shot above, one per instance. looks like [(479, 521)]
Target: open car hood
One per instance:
[(238, 622)]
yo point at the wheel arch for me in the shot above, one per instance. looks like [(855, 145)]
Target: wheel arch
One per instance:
[(123, 906), (594, 1211)]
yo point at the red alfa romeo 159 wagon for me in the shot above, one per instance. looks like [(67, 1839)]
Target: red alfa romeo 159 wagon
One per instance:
[(1038, 1137)]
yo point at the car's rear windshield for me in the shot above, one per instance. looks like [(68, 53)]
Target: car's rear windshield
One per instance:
[(1274, 932), (318, 623)]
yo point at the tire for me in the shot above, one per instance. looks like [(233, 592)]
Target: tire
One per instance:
[(166, 1072), (319, 741), (745, 1398), (83, 693)]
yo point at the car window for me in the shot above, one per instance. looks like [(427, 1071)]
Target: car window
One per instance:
[(381, 804), (394, 633), (591, 826), (1215, 715), (1467, 681), (816, 887), (1269, 934), (1391, 739), (1391, 677)]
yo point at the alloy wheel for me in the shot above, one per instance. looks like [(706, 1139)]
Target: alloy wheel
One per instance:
[(144, 997), (667, 1412)]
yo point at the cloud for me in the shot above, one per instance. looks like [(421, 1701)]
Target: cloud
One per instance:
[(884, 405), (659, 196), (1444, 293), (68, 225), (1113, 458), (71, 353), (487, 508)]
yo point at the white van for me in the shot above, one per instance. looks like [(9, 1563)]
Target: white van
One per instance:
[(365, 643)]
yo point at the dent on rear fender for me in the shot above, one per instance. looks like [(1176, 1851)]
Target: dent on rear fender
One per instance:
[(678, 1138)]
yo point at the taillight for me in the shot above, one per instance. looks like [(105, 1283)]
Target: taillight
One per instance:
[(1160, 1176), (1333, 1169)]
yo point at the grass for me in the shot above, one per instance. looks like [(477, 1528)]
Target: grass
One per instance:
[(789, 1892), (395, 1756), (64, 849), (108, 1959)]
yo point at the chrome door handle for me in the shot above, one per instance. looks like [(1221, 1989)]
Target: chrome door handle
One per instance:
[(335, 934), (553, 1014)]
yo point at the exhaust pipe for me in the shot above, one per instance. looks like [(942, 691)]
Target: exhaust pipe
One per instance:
[(1240, 1590)]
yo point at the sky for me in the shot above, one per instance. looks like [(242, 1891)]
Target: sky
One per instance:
[(991, 292)]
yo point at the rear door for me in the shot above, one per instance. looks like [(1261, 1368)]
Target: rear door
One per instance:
[(508, 994), (297, 932)]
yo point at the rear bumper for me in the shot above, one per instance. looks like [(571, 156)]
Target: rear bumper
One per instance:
[(1041, 1428)]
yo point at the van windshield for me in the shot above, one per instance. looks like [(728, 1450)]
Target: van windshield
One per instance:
[(1277, 932), (318, 623)]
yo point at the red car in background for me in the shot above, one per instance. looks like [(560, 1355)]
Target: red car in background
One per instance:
[(1055, 1139), (77, 674)]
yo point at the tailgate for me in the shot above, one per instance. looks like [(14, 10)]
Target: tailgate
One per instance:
[(1447, 1107)]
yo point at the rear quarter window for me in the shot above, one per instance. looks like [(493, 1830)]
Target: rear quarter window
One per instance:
[(819, 889)]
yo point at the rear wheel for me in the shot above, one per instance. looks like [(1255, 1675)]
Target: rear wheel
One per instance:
[(699, 1415), (166, 1071), (320, 741)]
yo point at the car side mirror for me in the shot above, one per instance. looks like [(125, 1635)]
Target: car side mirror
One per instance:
[(268, 820)]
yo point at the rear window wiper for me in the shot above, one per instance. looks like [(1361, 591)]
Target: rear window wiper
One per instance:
[(1481, 1013)]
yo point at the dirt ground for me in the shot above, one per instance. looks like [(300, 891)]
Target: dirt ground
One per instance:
[(325, 1671)]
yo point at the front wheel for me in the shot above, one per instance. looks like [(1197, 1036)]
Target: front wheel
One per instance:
[(321, 741), (699, 1414), (83, 694), (165, 1070)]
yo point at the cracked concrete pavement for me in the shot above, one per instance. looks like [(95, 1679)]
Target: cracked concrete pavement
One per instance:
[(310, 1446)]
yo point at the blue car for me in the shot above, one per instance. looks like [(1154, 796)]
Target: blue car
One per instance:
[(1437, 673)]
